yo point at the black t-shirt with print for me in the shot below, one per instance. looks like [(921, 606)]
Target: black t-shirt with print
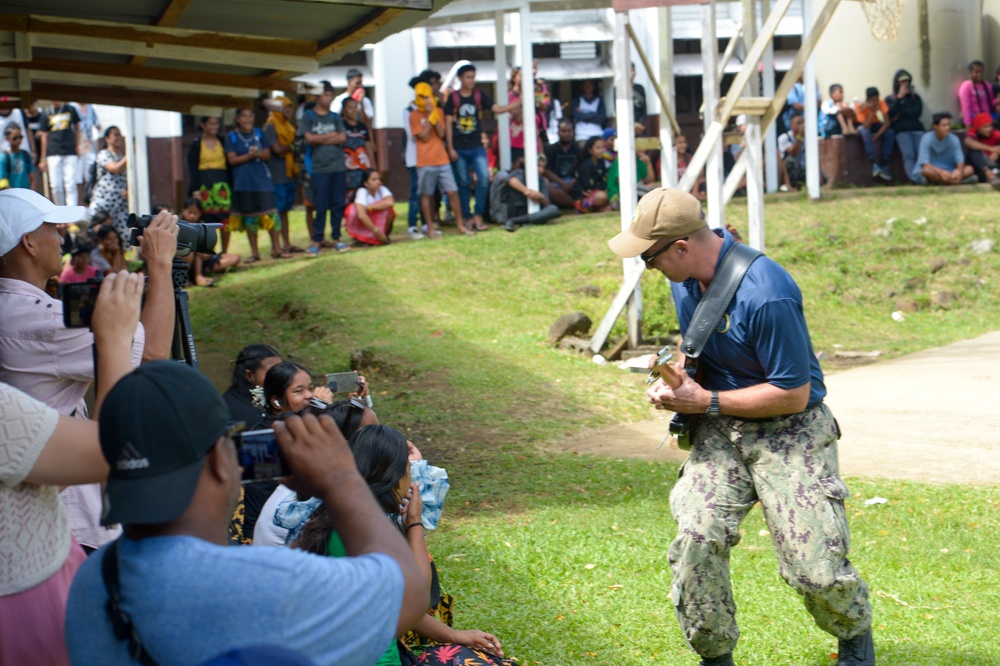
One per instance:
[(466, 130), (61, 126)]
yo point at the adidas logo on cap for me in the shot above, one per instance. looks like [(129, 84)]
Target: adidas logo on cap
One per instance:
[(131, 459)]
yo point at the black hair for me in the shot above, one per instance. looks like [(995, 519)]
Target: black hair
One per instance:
[(11, 128), (347, 416), (204, 119), (81, 248), (938, 117), (566, 121), (107, 132), (249, 358), (796, 114), (415, 80), (871, 91), (997, 72), (160, 207), (465, 68), (365, 175), (382, 457), (590, 144), (429, 75), (277, 381), (106, 230), (192, 201), (975, 63), (835, 86)]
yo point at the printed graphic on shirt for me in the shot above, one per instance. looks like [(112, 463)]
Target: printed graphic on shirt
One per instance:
[(60, 122), (467, 117)]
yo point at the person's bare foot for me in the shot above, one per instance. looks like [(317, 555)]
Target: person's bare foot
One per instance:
[(203, 281)]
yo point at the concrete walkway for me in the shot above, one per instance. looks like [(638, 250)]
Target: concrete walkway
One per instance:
[(930, 416)]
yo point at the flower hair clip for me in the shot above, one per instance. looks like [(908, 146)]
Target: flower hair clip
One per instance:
[(257, 397)]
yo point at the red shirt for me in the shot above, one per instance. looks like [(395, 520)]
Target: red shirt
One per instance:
[(70, 275)]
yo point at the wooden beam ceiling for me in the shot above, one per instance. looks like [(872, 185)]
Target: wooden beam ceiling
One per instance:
[(168, 43), (357, 34), (168, 18), (154, 74), (182, 103)]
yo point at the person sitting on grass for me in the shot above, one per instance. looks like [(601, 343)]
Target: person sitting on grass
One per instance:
[(350, 416), (983, 142), (563, 158), (253, 204), (383, 459), (518, 194), (204, 264), (370, 218), (249, 369), (940, 159), (590, 190), (644, 173), (78, 269), (108, 255)]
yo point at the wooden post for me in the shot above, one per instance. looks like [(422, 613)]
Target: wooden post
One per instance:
[(626, 162), (771, 132), (811, 112), (528, 105), (752, 158), (710, 92), (668, 156), (503, 120)]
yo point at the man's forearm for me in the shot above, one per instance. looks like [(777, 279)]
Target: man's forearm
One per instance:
[(763, 400), (364, 529), (158, 315)]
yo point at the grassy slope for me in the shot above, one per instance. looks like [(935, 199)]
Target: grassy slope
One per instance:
[(457, 329)]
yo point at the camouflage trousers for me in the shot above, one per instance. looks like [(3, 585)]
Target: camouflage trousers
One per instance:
[(790, 466)]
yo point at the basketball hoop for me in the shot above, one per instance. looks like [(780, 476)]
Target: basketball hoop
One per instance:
[(883, 18)]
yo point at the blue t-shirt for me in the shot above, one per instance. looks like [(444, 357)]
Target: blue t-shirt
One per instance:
[(763, 337), (17, 168), (943, 153), (252, 176), (190, 600)]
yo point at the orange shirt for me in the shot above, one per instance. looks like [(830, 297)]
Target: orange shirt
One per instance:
[(431, 152), (861, 110)]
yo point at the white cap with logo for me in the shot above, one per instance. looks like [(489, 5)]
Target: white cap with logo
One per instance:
[(22, 211)]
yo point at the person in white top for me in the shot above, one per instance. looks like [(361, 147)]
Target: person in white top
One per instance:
[(355, 81), (41, 451), (369, 219), (15, 117)]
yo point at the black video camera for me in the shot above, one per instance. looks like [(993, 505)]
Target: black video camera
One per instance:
[(200, 237)]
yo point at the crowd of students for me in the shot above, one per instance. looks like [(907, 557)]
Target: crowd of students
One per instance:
[(142, 569), (936, 156)]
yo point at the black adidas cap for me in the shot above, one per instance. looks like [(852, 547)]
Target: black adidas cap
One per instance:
[(157, 424)]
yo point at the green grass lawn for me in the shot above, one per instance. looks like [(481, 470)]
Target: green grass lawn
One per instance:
[(457, 328)]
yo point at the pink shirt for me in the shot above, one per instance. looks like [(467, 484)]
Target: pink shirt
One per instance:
[(40, 356), (70, 275), (975, 98)]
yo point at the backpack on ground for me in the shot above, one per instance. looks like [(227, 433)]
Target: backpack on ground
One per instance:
[(499, 196)]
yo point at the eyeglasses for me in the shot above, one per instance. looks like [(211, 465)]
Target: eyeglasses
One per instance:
[(649, 260)]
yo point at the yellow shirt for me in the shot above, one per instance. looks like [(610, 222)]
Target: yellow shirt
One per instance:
[(212, 158)]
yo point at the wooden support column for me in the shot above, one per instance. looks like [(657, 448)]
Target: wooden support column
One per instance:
[(710, 92), (770, 132), (811, 112), (626, 162), (528, 105), (500, 60), (668, 155), (752, 157)]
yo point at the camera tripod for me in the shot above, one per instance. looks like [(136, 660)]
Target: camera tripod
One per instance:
[(182, 348)]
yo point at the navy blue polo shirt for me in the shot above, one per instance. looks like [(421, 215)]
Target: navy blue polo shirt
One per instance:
[(763, 338)]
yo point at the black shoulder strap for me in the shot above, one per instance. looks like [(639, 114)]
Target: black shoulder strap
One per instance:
[(716, 298), (121, 623)]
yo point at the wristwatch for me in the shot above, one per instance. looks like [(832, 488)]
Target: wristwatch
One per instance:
[(713, 406)]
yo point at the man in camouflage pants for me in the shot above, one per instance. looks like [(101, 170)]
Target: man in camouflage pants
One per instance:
[(764, 435)]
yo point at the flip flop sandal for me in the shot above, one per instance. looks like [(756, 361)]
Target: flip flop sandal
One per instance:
[(467, 232), (480, 226), (295, 249), (281, 255), (252, 259)]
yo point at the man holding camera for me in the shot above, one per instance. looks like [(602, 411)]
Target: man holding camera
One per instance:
[(54, 364), (763, 435), (184, 596)]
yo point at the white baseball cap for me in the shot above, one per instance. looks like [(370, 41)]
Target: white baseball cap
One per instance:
[(22, 211)]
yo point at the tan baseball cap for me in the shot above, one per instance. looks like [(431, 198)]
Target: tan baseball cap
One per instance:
[(662, 213)]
